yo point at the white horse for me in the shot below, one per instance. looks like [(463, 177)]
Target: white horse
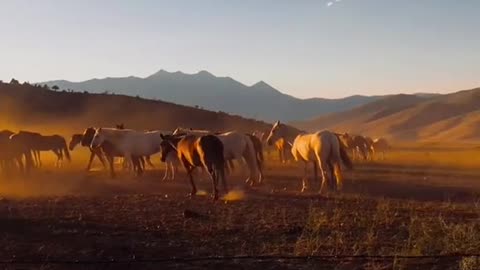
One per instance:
[(131, 143), (237, 146), (323, 148), (380, 145)]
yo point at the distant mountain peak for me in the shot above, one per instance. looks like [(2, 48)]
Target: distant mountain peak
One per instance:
[(163, 73), (205, 73), (262, 84), (158, 74)]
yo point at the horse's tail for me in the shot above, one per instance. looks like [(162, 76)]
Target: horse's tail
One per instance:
[(29, 163), (345, 158), (250, 152), (65, 150), (258, 149)]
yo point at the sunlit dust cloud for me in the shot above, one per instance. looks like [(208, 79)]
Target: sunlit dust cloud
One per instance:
[(234, 195), (201, 193)]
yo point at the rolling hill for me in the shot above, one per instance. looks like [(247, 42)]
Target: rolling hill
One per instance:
[(452, 117), (23, 106), (259, 101)]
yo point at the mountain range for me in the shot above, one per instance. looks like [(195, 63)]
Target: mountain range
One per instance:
[(451, 117), (204, 90), (32, 107)]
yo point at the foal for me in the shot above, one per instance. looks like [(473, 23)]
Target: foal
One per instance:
[(198, 151)]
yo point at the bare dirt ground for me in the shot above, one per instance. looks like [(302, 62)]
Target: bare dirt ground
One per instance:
[(70, 219)]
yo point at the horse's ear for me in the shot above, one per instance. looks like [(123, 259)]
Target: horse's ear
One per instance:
[(277, 123)]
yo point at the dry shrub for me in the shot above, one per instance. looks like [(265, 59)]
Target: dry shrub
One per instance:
[(387, 230), (437, 236)]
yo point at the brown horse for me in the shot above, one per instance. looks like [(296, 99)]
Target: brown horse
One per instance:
[(5, 158), (357, 144), (94, 152), (37, 142), (198, 151), (13, 150), (284, 150)]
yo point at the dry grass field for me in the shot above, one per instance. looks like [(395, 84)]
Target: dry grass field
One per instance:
[(420, 201)]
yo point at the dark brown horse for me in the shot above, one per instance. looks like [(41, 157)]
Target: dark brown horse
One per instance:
[(37, 142), (12, 150), (94, 152), (198, 151), (5, 159)]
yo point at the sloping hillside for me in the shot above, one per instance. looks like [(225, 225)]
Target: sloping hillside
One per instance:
[(27, 106), (259, 101), (452, 117)]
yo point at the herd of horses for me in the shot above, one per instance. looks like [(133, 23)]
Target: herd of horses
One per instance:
[(213, 152)]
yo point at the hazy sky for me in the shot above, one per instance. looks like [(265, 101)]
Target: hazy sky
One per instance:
[(304, 48)]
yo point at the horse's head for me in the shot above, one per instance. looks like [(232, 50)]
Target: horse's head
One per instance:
[(168, 145), (98, 138), (88, 136), (275, 133), (76, 139)]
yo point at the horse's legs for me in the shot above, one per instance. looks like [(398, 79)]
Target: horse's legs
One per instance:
[(250, 158), (224, 180), (35, 157), (20, 164), (142, 162), (189, 169), (39, 160), (332, 172), (231, 164), (60, 158), (305, 177), (173, 170), (321, 159), (214, 178), (90, 160), (149, 162), (192, 183), (165, 176), (110, 160), (137, 165), (315, 174), (338, 176), (101, 156)]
